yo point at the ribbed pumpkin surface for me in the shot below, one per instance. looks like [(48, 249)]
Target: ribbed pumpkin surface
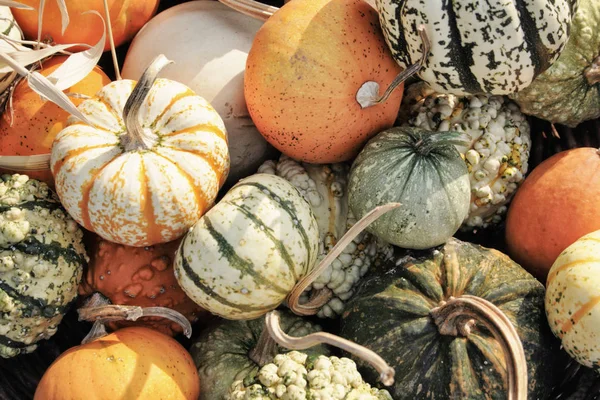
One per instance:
[(390, 314), (246, 254)]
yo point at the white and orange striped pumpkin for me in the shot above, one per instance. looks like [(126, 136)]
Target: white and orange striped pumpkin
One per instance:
[(147, 164), (573, 299)]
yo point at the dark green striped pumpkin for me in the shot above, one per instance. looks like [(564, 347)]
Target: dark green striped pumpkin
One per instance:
[(244, 256), (493, 46), (392, 314), (41, 263)]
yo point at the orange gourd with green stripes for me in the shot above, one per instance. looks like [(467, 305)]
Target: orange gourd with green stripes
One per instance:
[(147, 189), (573, 299)]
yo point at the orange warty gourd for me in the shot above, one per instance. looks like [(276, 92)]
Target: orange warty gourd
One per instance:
[(304, 70), (132, 363), (556, 205), (139, 276), (126, 17), (35, 123)]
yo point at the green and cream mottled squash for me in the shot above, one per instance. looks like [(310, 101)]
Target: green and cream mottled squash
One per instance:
[(245, 255), (495, 47), (41, 263), (424, 172), (393, 315), (235, 350), (568, 93), (572, 299)]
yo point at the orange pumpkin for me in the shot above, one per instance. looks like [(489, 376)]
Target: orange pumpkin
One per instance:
[(126, 18), (35, 123), (139, 276), (556, 205), (303, 72), (132, 363)]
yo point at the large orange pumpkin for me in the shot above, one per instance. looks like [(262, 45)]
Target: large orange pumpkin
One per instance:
[(139, 276), (556, 205), (35, 123), (132, 363), (126, 18), (303, 72)]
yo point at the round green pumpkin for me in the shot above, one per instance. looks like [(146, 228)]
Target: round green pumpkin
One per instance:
[(223, 352), (392, 315), (424, 172), (569, 92)]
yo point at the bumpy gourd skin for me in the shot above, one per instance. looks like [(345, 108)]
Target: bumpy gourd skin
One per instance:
[(564, 94), (295, 376), (41, 260)]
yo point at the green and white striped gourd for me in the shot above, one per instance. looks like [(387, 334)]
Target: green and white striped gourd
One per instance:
[(41, 263), (246, 254), (494, 46)]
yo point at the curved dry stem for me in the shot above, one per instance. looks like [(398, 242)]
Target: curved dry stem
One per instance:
[(265, 349), (251, 8), (457, 316), (386, 373), (135, 137), (368, 94), (592, 73), (315, 303), (111, 40), (99, 310)]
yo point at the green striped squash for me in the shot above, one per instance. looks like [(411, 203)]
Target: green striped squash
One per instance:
[(41, 263), (424, 172), (245, 255), (493, 46)]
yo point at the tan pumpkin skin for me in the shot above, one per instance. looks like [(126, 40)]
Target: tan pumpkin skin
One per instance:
[(139, 276), (303, 71), (132, 363)]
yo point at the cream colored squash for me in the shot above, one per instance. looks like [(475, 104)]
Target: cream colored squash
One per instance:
[(144, 173), (209, 44), (573, 299)]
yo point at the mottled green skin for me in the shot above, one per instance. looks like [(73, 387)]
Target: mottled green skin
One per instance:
[(221, 353), (390, 314), (563, 94), (421, 170)]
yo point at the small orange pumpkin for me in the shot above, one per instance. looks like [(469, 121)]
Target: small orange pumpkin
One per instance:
[(556, 205), (34, 123), (303, 73), (132, 363), (139, 276), (126, 18)]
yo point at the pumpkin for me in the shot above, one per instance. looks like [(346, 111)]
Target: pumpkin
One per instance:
[(131, 363), (572, 296), (41, 262), (424, 172), (145, 174), (126, 18), (247, 253), (138, 277), (213, 69), (302, 79), (556, 205), (406, 314), (33, 124), (235, 350), (494, 47), (9, 28), (568, 93)]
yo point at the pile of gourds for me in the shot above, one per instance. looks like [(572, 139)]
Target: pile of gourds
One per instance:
[(266, 177)]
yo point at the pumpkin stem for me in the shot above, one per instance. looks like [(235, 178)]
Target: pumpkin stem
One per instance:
[(386, 372), (99, 310), (111, 40), (316, 302), (592, 73), (135, 137), (458, 316), (265, 350), (368, 94), (251, 8)]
